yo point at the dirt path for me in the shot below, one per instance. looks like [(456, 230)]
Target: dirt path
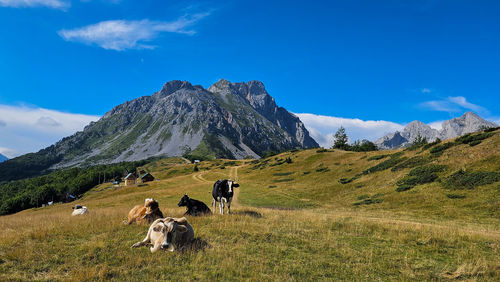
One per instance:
[(233, 174), (199, 177)]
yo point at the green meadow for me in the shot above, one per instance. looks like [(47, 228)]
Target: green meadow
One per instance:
[(429, 213)]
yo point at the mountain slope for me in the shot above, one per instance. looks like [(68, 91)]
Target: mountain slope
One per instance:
[(3, 158), (467, 123), (180, 119), (289, 221)]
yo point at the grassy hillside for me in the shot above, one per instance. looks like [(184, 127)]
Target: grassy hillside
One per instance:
[(428, 213)]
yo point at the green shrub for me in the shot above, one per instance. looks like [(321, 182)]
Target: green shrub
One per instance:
[(462, 179), (411, 162), (322, 150), (283, 180), (378, 157), (474, 143), (404, 187), (306, 172), (419, 175), (473, 138), (322, 169), (427, 146), (491, 129), (439, 149), (385, 164), (455, 196), (362, 197), (282, 173), (368, 202), (349, 180), (425, 170)]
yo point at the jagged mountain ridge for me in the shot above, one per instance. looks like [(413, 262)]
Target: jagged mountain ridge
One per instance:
[(467, 123), (181, 118)]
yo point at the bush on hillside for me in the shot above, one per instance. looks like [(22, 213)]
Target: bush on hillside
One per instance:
[(473, 139), (419, 175), (394, 160), (362, 146), (439, 149), (378, 157), (411, 162), (419, 141), (455, 196), (462, 179), (427, 146)]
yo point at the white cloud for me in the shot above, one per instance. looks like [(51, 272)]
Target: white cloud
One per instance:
[(322, 128), (54, 4), (462, 102), (426, 90), (121, 35), (453, 105), (28, 129)]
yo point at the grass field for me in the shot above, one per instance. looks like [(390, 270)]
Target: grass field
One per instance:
[(293, 219)]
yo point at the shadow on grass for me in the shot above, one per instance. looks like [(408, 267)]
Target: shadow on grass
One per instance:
[(197, 245), (249, 213)]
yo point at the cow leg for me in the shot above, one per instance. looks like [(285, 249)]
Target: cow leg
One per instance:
[(221, 206), (148, 236), (229, 205)]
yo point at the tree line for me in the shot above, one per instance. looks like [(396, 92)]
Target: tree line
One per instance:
[(32, 192), (341, 142)]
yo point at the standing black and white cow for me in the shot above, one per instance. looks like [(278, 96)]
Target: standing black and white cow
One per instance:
[(223, 193)]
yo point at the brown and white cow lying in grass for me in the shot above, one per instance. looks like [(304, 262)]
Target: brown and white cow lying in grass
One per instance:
[(144, 213), (168, 234)]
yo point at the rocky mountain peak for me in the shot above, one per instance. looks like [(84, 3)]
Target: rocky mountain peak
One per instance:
[(255, 94), (184, 119), (467, 123), (173, 86)]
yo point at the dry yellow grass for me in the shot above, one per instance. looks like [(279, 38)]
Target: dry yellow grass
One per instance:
[(304, 227)]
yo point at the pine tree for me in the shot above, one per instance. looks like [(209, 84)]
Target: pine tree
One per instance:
[(341, 139)]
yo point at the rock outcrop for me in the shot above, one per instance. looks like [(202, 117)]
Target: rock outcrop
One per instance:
[(467, 123)]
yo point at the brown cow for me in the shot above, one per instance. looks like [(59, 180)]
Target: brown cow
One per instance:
[(144, 213), (168, 234)]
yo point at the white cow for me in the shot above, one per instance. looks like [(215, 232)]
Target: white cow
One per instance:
[(79, 210), (168, 234)]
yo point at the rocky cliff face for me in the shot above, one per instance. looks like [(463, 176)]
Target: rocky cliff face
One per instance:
[(230, 120), (257, 97), (467, 123)]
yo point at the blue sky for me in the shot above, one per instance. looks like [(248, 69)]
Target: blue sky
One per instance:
[(389, 62)]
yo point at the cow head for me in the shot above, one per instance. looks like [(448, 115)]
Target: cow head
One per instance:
[(169, 229), (150, 204), (184, 201), (231, 185)]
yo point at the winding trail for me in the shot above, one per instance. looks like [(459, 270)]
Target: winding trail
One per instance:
[(233, 174), (199, 177)]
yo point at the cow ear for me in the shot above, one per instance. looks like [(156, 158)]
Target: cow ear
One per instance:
[(181, 228), (157, 228)]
